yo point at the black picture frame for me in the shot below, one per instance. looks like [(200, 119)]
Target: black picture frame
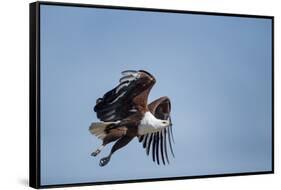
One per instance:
[(34, 92)]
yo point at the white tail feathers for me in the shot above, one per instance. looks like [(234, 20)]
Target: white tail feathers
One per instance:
[(98, 129)]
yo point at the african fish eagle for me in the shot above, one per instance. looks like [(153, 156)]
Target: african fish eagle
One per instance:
[(125, 114)]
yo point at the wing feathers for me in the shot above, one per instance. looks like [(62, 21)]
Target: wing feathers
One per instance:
[(149, 144), (159, 142), (121, 86), (157, 147), (125, 99), (128, 78), (161, 146), (154, 147), (165, 145), (147, 141), (118, 97), (128, 72), (144, 142), (141, 138), (170, 143)]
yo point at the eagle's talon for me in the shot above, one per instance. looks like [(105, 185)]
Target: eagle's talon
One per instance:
[(104, 161), (95, 153)]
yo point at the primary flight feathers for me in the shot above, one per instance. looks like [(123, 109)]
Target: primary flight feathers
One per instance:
[(125, 114)]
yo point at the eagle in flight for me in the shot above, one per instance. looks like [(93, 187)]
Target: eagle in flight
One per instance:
[(125, 114)]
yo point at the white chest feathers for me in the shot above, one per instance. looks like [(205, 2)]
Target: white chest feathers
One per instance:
[(150, 124)]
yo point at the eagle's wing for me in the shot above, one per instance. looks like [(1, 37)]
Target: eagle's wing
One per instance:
[(129, 97), (158, 141)]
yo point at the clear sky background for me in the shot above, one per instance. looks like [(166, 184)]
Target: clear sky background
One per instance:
[(215, 69)]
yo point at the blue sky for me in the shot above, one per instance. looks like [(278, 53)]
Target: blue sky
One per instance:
[(215, 69)]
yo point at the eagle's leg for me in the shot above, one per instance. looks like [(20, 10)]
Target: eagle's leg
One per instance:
[(123, 141), (112, 135)]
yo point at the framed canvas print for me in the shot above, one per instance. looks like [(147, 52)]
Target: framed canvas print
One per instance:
[(122, 94)]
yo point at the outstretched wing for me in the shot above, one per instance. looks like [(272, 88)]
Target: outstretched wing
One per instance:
[(129, 97), (158, 142)]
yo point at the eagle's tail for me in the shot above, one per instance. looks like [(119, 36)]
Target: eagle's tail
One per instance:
[(99, 128)]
